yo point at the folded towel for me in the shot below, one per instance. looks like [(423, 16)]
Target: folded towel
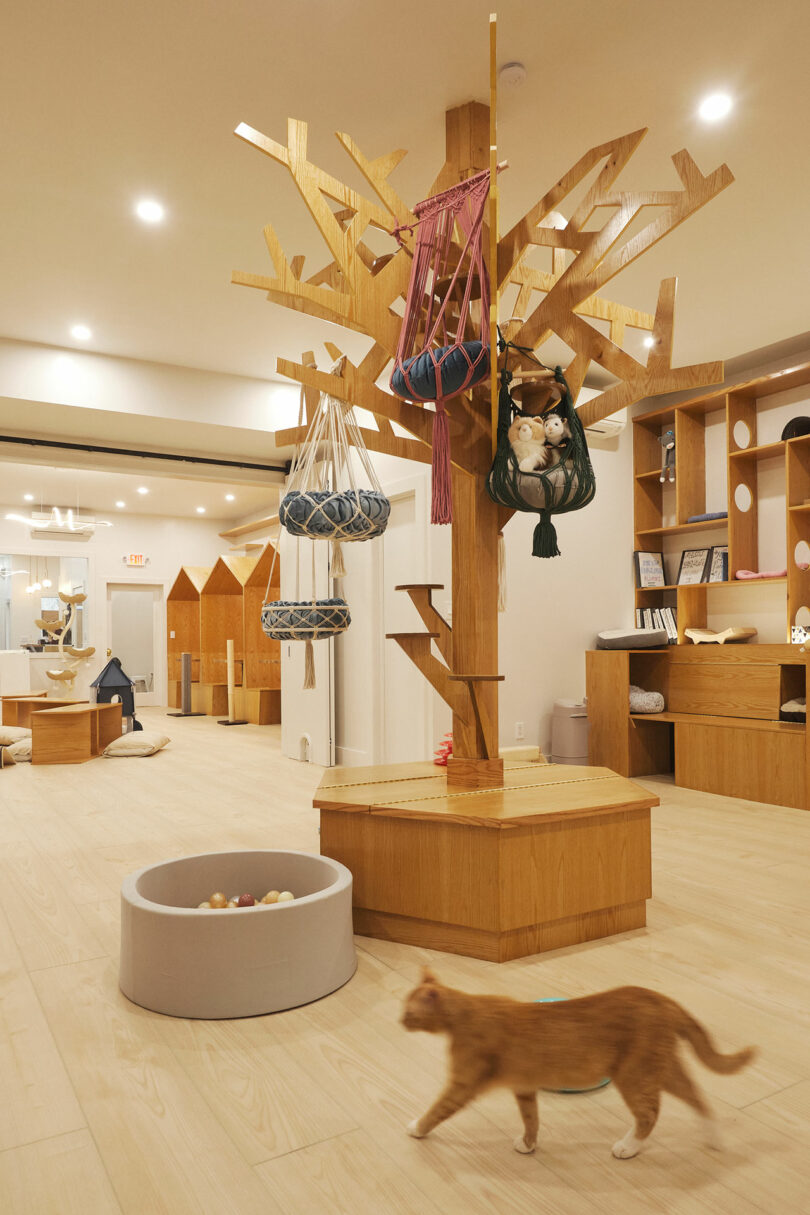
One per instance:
[(748, 574), (715, 514)]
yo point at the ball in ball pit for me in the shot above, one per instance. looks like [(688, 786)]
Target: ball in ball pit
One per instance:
[(232, 903), (286, 896), (245, 900), (205, 905), (271, 897), (218, 899)]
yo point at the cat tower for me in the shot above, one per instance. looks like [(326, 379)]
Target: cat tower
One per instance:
[(360, 289)]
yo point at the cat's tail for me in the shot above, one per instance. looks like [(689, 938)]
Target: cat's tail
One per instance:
[(704, 1048)]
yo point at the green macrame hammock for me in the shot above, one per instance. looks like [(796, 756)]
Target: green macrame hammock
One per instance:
[(565, 486)]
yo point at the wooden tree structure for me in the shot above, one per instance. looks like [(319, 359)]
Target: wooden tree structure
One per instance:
[(362, 290)]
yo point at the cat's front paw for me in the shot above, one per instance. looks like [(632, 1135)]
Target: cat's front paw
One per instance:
[(519, 1145), (413, 1129)]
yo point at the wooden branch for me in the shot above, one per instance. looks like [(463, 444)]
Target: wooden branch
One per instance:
[(421, 596), (417, 647), (513, 246)]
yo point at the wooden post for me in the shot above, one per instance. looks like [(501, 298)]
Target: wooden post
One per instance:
[(231, 719), (475, 531)]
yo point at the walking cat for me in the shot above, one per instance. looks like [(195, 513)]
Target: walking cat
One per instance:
[(630, 1034)]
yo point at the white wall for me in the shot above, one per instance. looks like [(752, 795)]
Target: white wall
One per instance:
[(168, 543)]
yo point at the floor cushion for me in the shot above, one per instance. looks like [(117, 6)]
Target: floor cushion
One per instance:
[(12, 734), (138, 742), (20, 751)]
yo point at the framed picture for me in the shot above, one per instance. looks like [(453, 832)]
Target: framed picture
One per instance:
[(718, 568), (694, 567), (649, 569)]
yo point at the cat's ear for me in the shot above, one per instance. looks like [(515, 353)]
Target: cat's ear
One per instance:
[(428, 975)]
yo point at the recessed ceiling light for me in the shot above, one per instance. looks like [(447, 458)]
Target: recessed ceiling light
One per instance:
[(120, 505), (715, 106), (200, 510), (142, 489), (150, 210), (81, 333), (28, 497), (649, 341), (230, 497)]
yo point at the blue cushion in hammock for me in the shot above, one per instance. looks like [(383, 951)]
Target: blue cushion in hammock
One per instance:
[(454, 370), (307, 620), (324, 514)]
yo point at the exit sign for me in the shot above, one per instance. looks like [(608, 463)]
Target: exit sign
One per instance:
[(135, 559)]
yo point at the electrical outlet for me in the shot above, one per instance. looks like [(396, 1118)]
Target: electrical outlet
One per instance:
[(519, 734)]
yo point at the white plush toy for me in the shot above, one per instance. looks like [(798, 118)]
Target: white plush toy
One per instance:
[(528, 439), (557, 432)]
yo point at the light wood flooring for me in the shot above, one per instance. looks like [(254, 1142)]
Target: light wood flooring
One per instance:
[(105, 1107)]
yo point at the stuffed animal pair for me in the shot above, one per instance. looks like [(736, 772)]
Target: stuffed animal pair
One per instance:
[(539, 442)]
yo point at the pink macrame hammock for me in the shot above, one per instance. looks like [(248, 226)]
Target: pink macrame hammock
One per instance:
[(434, 361)]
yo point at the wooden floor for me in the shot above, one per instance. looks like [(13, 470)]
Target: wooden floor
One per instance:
[(105, 1107)]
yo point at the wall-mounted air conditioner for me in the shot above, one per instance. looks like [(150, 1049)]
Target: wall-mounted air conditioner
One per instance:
[(608, 428)]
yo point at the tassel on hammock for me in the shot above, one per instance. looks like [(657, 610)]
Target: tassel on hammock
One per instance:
[(337, 568), (501, 573), (444, 350), (309, 667)]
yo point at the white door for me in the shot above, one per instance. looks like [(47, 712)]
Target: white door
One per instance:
[(136, 636), (307, 717), (408, 697)]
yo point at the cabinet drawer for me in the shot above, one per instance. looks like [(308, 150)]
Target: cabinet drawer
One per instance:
[(725, 689)]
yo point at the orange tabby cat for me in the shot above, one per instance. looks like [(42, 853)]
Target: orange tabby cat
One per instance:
[(629, 1034)]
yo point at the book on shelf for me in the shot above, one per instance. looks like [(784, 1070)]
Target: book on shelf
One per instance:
[(639, 620), (671, 624)]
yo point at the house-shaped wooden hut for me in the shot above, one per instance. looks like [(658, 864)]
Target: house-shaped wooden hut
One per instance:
[(222, 618), (183, 620), (259, 699)]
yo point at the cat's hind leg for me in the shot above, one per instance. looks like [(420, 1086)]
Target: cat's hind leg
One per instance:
[(453, 1098), (527, 1104), (644, 1103), (678, 1082)]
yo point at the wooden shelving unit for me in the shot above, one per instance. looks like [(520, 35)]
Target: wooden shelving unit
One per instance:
[(738, 405), (721, 730)]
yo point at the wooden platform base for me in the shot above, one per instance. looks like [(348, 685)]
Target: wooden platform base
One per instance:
[(209, 698), (260, 706), (556, 856)]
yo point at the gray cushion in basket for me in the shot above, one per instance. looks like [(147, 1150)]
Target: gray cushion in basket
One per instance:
[(631, 639)]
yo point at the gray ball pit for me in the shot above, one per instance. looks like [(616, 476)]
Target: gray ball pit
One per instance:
[(240, 962)]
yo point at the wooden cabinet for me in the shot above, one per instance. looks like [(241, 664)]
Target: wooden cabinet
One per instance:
[(721, 730)]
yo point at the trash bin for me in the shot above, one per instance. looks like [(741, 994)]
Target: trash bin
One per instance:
[(569, 732)]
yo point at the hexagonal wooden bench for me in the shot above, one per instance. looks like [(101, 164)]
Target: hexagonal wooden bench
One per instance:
[(558, 855)]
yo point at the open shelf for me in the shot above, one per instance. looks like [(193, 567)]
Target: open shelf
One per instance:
[(677, 528), (765, 451), (653, 475), (743, 723)]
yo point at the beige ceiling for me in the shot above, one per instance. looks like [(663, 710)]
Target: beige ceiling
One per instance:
[(105, 102), (95, 492)]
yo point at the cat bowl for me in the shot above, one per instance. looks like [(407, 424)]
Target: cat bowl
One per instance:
[(241, 962), (591, 1087)]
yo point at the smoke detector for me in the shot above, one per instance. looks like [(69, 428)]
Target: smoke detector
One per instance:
[(512, 74)]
